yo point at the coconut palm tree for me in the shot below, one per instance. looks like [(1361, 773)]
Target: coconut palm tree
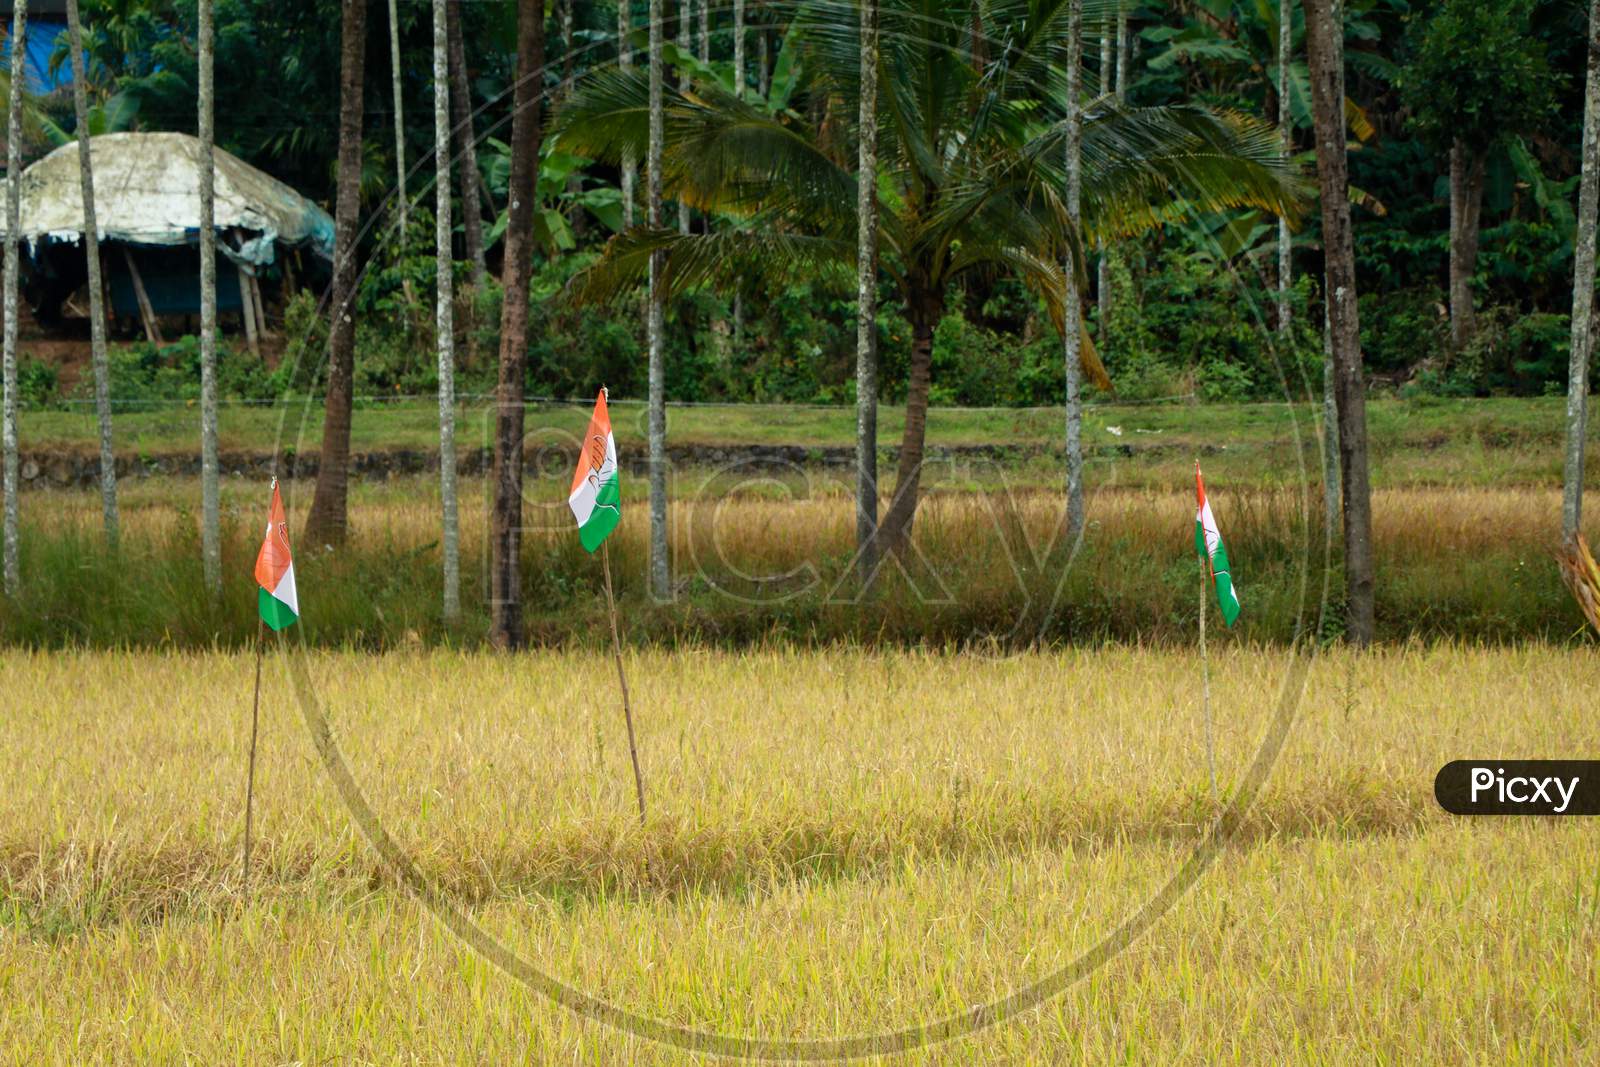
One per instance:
[(210, 489), (8, 406), (329, 520), (970, 173), (466, 148), (399, 117), (97, 311), (444, 311), (1324, 36), (1071, 304), (654, 143), (505, 582), (866, 292), (1583, 288)]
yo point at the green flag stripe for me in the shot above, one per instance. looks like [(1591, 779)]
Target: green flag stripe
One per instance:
[(605, 516), (274, 612)]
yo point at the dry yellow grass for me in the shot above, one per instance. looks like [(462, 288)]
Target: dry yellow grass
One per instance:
[(839, 843)]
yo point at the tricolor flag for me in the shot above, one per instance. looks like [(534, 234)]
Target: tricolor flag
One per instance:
[(1208, 543), (276, 600), (596, 496)]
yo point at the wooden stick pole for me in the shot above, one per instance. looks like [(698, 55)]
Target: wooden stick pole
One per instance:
[(622, 680), (250, 775), (1205, 681)]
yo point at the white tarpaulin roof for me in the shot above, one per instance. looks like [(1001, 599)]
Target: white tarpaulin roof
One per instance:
[(147, 191)]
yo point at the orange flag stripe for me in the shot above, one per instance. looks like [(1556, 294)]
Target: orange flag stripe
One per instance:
[(592, 457), (274, 559)]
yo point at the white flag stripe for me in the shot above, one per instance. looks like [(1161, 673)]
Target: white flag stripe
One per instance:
[(286, 590), (1208, 523), (582, 499)]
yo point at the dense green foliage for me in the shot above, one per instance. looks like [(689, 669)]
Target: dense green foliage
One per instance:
[(1194, 314)]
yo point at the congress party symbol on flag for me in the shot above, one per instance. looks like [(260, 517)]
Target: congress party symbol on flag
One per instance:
[(596, 496)]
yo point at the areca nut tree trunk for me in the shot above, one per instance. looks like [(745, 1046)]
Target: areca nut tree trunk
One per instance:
[(10, 568), (703, 43), (1286, 132), (466, 148), (1331, 490), (1102, 287), (329, 520), (685, 18), (210, 491), (1327, 105), (97, 308), (399, 117), (630, 165), (1467, 169), (867, 295), (444, 313), (505, 530), (660, 569), (1582, 290), (1070, 332), (738, 48), (971, 180)]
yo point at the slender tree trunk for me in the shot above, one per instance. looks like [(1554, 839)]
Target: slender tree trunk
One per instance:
[(466, 148), (328, 522), (574, 213), (660, 570), (763, 62), (1285, 149), (1072, 329), (1330, 402), (97, 308), (685, 18), (1330, 429), (1466, 205), (444, 311), (1344, 326), (925, 307), (1102, 288), (568, 52), (704, 51), (210, 490), (630, 166), (1123, 42), (11, 569), (505, 585), (1582, 291), (738, 48), (867, 295), (399, 118)]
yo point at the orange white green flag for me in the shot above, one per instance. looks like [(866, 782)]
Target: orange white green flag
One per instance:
[(596, 496), (276, 600), (1208, 543)]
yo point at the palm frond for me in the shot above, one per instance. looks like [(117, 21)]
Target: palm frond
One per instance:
[(730, 260), (1142, 166)]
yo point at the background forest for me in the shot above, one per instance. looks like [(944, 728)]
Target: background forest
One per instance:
[(1182, 311)]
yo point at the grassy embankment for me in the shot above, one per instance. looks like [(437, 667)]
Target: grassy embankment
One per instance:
[(838, 843), (1422, 441), (1466, 512)]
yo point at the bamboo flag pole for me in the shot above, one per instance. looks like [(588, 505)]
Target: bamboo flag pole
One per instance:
[(622, 679), (1205, 680), (250, 774)]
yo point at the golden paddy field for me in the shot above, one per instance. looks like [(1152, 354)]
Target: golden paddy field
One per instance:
[(838, 844)]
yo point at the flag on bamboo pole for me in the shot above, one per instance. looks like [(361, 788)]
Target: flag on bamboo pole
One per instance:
[(596, 496), (1208, 543), (276, 600)]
